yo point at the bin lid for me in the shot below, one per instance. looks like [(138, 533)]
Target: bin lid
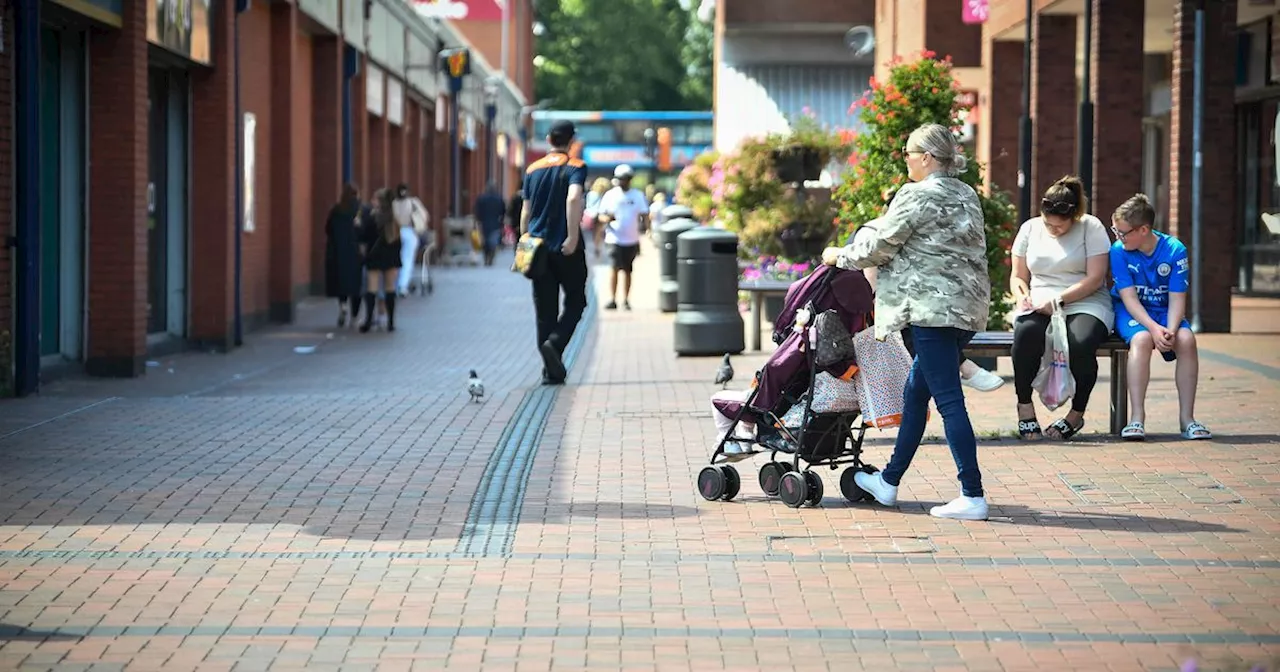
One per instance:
[(677, 211), (678, 225), (706, 241)]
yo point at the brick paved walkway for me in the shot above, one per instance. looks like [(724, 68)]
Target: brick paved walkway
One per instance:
[(348, 509)]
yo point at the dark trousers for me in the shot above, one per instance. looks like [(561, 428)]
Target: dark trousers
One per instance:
[(567, 274), (935, 374), (1084, 334)]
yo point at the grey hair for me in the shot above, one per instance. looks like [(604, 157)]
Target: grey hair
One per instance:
[(937, 141)]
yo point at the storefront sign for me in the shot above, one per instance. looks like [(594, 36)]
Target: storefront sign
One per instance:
[(500, 145), (106, 11), (395, 101), (468, 132), (373, 88), (250, 150), (181, 26), (461, 10), (442, 114)]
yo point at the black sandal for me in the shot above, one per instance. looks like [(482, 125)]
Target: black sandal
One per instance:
[(1029, 430), (1065, 430)]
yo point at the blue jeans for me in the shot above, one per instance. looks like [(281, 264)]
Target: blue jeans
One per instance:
[(936, 374)]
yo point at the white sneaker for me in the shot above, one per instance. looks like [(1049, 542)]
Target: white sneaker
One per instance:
[(982, 380), (874, 483), (962, 508)]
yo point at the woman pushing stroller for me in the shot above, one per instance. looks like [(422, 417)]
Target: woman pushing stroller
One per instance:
[(930, 249)]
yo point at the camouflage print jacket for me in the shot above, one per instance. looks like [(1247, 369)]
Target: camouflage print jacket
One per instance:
[(931, 251)]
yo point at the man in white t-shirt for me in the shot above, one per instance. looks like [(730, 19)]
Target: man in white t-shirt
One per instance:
[(622, 211)]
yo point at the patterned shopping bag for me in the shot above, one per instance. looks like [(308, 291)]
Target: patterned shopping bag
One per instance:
[(883, 367)]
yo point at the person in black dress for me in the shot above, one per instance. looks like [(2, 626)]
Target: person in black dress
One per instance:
[(342, 262), (381, 243)]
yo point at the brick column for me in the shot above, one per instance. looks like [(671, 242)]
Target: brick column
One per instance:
[(413, 147), (284, 55), (360, 132), (378, 153), (6, 197), (1218, 191), (326, 141), (118, 177), (213, 215), (1002, 110), (1117, 118), (1054, 102)]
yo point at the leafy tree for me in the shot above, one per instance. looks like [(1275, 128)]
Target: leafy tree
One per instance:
[(917, 93), (621, 55)]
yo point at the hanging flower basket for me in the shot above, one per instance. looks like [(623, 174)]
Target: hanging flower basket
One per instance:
[(797, 163), (801, 242)]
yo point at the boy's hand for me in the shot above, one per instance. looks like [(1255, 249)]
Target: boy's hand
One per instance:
[(1163, 338)]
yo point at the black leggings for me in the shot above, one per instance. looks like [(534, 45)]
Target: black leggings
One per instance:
[(1084, 334)]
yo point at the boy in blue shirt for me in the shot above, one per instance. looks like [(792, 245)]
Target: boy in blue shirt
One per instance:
[(1151, 272)]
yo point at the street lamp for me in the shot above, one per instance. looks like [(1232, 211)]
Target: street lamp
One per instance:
[(490, 114)]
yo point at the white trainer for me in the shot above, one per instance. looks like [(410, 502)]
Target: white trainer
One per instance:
[(982, 380), (962, 508), (874, 483)]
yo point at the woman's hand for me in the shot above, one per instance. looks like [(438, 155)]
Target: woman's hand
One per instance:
[(1046, 307), (831, 255)]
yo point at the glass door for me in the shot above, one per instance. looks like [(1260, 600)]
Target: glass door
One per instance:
[(157, 201)]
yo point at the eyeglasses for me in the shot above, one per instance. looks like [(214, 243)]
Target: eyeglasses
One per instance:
[(1120, 234), (907, 151), (1057, 207)]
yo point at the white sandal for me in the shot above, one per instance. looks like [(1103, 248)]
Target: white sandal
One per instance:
[(1134, 431), (1194, 431)]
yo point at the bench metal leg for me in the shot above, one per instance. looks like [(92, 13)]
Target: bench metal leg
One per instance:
[(1119, 391)]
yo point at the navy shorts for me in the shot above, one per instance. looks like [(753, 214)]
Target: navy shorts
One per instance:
[(624, 256)]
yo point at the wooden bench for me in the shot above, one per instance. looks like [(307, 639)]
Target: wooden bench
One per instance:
[(1000, 343), (757, 290)]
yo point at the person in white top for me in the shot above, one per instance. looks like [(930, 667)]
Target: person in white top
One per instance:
[(656, 218), (1060, 258), (413, 218), (623, 210)]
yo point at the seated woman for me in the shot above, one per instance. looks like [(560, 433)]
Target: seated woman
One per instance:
[(1059, 258)]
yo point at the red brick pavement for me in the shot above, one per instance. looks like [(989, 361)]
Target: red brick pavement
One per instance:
[(305, 515)]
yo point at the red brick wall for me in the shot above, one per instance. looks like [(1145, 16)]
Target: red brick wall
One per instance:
[(1002, 111), (1218, 206), (284, 81), (213, 140), (117, 250), (1053, 101), (798, 11), (255, 97), (326, 150), (1117, 84), (396, 150), (413, 146), (947, 34), (360, 133), (6, 204), (304, 217)]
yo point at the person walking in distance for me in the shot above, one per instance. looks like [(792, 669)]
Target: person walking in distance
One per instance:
[(342, 264), (382, 248), (412, 218), (489, 210), (553, 206), (622, 213)]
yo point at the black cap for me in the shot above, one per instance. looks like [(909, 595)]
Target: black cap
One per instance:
[(563, 130)]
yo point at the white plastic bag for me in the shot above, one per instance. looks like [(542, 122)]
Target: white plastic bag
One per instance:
[(1054, 382), (883, 367)]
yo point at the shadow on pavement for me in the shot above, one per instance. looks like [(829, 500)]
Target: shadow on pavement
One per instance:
[(1017, 514), (17, 633)]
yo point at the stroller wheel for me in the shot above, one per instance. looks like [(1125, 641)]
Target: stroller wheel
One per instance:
[(849, 487), (814, 481), (732, 482), (793, 490), (771, 476), (712, 483)]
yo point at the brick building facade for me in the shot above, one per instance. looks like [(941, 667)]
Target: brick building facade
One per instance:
[(143, 118)]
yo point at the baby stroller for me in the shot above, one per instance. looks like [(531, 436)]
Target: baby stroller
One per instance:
[(801, 403)]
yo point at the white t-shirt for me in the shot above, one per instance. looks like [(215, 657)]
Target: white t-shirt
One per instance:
[(626, 208), (1058, 263)]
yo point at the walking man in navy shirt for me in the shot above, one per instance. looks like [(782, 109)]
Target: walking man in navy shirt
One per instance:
[(553, 204)]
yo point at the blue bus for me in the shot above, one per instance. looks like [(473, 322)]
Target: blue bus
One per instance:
[(609, 139)]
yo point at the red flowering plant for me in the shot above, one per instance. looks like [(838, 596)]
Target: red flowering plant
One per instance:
[(918, 92)]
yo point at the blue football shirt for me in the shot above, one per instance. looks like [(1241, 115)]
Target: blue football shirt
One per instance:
[(1153, 276)]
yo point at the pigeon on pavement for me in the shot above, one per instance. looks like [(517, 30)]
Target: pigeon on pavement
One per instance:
[(724, 374), (475, 387)]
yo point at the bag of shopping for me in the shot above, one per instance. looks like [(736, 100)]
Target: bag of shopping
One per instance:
[(883, 367), (530, 257), (1054, 382)]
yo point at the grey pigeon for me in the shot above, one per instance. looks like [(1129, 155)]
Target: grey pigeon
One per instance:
[(724, 374), (475, 388)]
